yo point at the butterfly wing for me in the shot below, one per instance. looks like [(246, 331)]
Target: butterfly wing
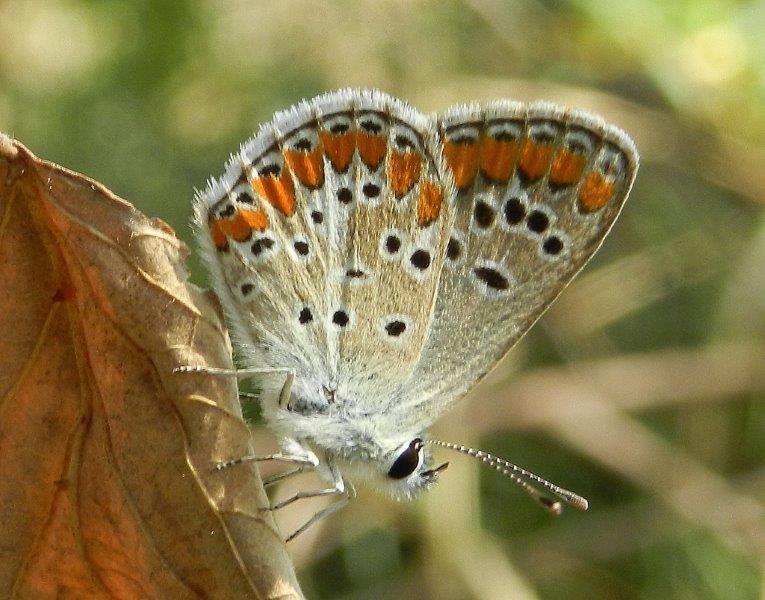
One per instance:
[(538, 189), (325, 238)]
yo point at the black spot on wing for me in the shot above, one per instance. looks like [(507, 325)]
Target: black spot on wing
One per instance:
[(492, 278)]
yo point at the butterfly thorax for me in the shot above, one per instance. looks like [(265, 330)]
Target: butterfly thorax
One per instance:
[(366, 446), (341, 424)]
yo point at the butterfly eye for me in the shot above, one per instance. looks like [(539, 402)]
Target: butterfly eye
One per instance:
[(407, 461)]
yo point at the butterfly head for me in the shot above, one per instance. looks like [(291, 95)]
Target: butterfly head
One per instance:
[(403, 472), (410, 469)]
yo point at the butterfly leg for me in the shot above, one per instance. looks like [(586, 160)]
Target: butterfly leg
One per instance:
[(332, 508), (291, 451), (268, 481), (239, 373), (304, 461), (338, 489), (284, 394)]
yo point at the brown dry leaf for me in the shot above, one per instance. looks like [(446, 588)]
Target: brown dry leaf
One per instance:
[(106, 486)]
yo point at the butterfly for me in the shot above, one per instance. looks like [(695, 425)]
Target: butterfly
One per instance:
[(374, 263)]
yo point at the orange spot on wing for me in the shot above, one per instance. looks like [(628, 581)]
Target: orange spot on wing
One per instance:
[(240, 226), (429, 202), (372, 149), (403, 171), (218, 235), (535, 158), (339, 149), (567, 167), (279, 191), (462, 159), (498, 158), (308, 167), (254, 219), (595, 192)]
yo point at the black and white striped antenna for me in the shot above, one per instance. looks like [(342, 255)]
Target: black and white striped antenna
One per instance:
[(525, 479)]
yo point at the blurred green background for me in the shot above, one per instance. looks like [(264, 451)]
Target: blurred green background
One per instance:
[(642, 388)]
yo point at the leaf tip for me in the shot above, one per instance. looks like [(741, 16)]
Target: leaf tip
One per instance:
[(8, 149)]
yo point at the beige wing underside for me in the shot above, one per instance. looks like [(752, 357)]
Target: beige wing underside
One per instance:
[(325, 239), (340, 248), (539, 187)]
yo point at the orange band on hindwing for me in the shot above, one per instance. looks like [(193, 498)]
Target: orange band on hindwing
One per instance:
[(240, 226), (254, 219), (498, 158), (308, 167), (534, 159), (595, 192), (279, 191), (339, 149), (462, 159), (218, 235), (403, 171), (567, 168), (429, 202), (372, 149)]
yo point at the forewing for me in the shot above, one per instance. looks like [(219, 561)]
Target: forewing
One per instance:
[(539, 187), (325, 239)]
